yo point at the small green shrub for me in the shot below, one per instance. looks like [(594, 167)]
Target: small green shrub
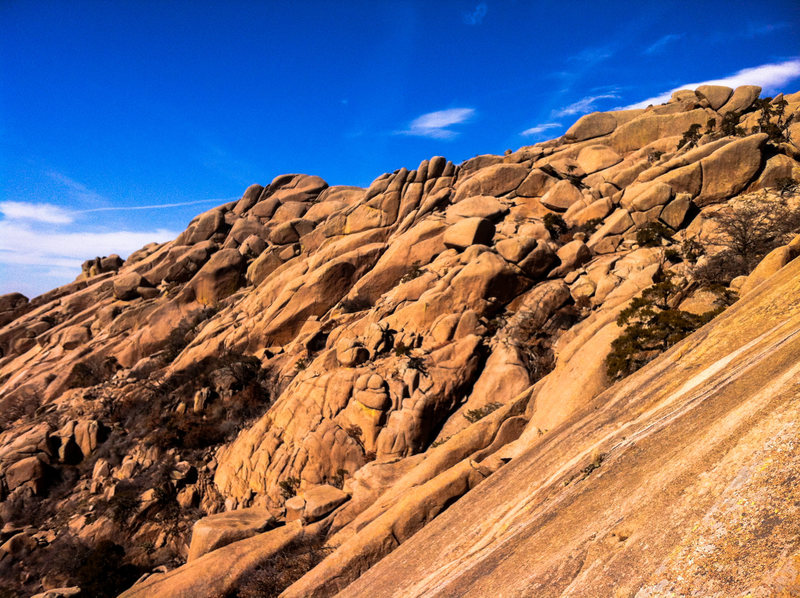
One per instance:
[(415, 272), (652, 233), (786, 185), (280, 571), (555, 224), (338, 479), (289, 487), (474, 415), (690, 137), (651, 326), (730, 125), (440, 442), (357, 304)]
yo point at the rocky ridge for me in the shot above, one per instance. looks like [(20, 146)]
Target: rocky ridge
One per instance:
[(361, 374)]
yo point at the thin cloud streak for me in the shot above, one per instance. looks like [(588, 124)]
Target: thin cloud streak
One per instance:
[(78, 191), (661, 43), (158, 206), (767, 76), (539, 129), (436, 124), (583, 105)]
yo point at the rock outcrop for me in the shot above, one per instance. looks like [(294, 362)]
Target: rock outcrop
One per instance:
[(404, 390)]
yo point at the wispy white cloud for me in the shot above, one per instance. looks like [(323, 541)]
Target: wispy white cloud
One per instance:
[(756, 29), (216, 201), (476, 16), (768, 76), (538, 129), (22, 243), (591, 56), (38, 212), (436, 124), (53, 214), (78, 192), (662, 42), (583, 105)]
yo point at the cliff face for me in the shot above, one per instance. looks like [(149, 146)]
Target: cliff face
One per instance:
[(404, 390)]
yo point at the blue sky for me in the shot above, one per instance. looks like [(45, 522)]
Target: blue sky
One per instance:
[(106, 107)]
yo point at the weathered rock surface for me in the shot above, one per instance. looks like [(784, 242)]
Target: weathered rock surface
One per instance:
[(414, 375)]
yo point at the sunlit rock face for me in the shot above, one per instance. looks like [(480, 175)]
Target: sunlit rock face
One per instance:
[(404, 390)]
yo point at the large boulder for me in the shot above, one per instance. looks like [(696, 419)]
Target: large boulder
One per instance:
[(221, 529), (728, 170), (314, 503), (31, 471), (125, 286), (536, 184), (494, 180), (592, 125), (220, 572), (470, 231), (561, 196), (12, 305), (597, 157), (220, 277), (480, 206), (742, 98), (716, 95)]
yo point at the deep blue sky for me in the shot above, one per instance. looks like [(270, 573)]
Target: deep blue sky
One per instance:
[(120, 104)]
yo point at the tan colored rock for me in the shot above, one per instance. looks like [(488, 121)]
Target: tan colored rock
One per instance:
[(742, 98), (215, 531), (716, 95), (66, 592), (249, 199), (597, 210), (31, 471), (597, 157), (686, 179), (674, 213), (561, 196), (536, 184), (252, 246), (538, 261), (351, 353), (515, 249), (125, 286), (469, 231), (494, 180), (220, 277), (74, 337), (572, 255), (203, 227), (290, 210), (774, 261), (321, 500), (776, 168), (728, 170), (649, 127), (592, 125), (413, 249), (261, 267), (219, 572), (480, 206), (619, 222), (649, 195)]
